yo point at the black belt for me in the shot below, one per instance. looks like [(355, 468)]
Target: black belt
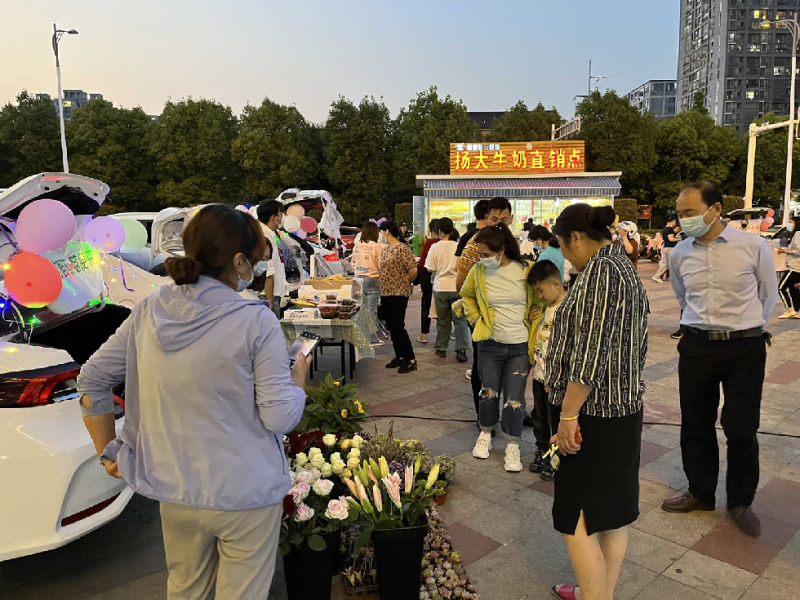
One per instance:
[(721, 336)]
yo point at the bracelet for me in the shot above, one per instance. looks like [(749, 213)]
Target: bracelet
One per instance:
[(575, 418)]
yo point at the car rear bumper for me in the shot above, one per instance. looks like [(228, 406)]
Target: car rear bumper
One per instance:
[(54, 489)]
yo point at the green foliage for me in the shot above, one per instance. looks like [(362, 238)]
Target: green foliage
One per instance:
[(30, 140), (519, 124), (691, 147), (699, 103), (618, 138), (110, 144), (358, 156), (276, 149), (731, 203), (191, 148), (626, 209), (404, 213), (424, 131), (332, 408)]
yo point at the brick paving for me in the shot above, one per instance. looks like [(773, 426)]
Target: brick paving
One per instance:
[(501, 522)]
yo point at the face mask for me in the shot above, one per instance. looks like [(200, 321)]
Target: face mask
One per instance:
[(537, 247), (491, 263), (790, 227), (695, 226), (260, 268), (382, 240), (242, 284)]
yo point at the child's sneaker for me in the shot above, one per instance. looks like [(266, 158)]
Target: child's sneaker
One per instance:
[(512, 462), (538, 463), (483, 446)]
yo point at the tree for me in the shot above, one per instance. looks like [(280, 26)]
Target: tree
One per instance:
[(110, 144), (519, 124), (618, 138), (424, 131), (191, 147), (692, 147), (699, 103), (275, 149), (30, 140), (357, 156)]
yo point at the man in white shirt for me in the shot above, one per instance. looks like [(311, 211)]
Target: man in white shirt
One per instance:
[(443, 263), (271, 213)]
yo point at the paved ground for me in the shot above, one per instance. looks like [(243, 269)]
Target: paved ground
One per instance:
[(501, 522)]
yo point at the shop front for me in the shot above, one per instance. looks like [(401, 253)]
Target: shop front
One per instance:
[(539, 178)]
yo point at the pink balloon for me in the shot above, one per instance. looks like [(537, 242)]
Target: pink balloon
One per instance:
[(105, 234), (301, 234), (44, 225), (308, 224), (769, 221), (764, 225), (770, 213)]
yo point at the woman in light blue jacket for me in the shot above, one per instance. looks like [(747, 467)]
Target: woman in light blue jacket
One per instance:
[(209, 394)]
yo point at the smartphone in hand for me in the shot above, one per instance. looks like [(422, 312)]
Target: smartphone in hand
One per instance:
[(303, 346)]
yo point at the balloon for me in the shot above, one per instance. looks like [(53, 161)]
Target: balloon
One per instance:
[(764, 225), (301, 234), (770, 213), (105, 234), (44, 225), (291, 224), (308, 224), (82, 277), (166, 212), (296, 210), (769, 221), (135, 235), (32, 280)]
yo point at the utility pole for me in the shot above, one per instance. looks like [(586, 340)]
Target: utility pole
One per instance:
[(590, 77)]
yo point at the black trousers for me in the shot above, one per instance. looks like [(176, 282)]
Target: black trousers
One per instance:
[(426, 285), (393, 311), (738, 365), (790, 295), (476, 378), (544, 416)]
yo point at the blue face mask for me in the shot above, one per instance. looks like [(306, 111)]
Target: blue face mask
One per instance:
[(695, 227), (491, 263), (260, 268), (243, 284)]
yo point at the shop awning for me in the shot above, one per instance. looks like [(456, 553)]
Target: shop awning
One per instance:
[(539, 187)]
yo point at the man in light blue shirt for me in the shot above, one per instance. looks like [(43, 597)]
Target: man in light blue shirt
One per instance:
[(725, 283)]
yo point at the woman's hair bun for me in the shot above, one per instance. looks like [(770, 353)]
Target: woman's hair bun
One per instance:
[(601, 217), (184, 270)]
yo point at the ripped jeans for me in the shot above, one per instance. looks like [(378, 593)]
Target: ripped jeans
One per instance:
[(502, 367)]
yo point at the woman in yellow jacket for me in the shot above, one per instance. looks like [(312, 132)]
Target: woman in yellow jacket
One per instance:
[(497, 302)]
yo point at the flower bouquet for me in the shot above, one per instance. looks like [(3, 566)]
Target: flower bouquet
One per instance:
[(391, 504), (332, 407)]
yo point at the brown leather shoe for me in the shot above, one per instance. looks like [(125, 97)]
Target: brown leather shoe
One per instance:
[(746, 520), (685, 504)]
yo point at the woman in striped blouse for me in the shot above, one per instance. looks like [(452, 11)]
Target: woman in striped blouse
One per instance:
[(595, 359)]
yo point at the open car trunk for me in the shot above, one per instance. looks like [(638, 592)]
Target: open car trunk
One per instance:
[(82, 335)]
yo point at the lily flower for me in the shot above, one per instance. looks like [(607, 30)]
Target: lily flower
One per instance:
[(384, 467), (432, 477), (409, 479), (392, 483), (376, 495)]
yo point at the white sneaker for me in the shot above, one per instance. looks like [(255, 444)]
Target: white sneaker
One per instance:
[(484, 445), (788, 314), (658, 280), (469, 374), (512, 462)]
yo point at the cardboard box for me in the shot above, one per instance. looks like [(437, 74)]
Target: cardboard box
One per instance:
[(301, 314), (319, 283)]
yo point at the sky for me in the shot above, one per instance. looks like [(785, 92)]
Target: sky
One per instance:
[(306, 53)]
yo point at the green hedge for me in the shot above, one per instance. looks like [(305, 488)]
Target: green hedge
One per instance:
[(626, 209), (730, 203), (404, 213)]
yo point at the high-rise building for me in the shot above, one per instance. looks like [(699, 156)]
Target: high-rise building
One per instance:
[(73, 99), (657, 96), (731, 53)]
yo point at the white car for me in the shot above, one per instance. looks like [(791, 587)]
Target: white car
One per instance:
[(53, 489)]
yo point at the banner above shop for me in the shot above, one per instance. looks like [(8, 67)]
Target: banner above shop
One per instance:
[(517, 157)]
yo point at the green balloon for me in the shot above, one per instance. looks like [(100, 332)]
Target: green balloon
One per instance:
[(135, 235)]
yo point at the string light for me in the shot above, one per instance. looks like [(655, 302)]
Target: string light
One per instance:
[(6, 266), (11, 350)]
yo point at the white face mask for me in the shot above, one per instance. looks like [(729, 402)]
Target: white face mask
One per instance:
[(490, 263)]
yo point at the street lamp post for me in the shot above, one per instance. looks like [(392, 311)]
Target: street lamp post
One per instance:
[(57, 33)]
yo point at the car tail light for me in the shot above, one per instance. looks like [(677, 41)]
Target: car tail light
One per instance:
[(36, 388), (85, 514)]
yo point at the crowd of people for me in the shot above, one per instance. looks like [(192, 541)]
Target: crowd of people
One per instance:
[(566, 309)]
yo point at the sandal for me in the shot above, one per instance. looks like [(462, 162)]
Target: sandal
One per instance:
[(567, 592)]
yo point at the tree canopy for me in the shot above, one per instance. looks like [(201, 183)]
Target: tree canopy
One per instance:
[(519, 124)]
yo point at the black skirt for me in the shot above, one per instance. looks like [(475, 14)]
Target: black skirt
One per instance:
[(602, 479)]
